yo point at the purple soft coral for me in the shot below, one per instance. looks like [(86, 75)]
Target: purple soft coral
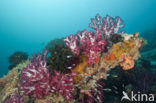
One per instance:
[(14, 98), (63, 84), (107, 25), (35, 77)]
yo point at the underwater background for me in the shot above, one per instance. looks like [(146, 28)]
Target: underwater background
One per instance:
[(28, 25), (77, 51)]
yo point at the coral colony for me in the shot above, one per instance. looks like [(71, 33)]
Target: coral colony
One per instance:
[(35, 78), (98, 51)]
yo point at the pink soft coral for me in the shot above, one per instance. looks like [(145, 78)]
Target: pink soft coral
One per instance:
[(89, 43), (93, 45), (63, 84), (35, 77), (107, 25)]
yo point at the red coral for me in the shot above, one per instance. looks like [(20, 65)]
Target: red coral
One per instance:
[(35, 77), (63, 84)]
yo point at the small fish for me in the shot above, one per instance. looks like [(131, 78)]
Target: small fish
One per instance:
[(69, 56), (115, 87), (107, 89), (107, 74), (69, 67), (116, 92), (114, 76)]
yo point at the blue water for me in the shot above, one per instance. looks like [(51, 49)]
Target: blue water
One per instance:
[(27, 25)]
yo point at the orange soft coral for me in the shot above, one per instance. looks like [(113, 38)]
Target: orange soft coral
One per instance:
[(109, 57), (80, 68), (127, 63), (121, 48)]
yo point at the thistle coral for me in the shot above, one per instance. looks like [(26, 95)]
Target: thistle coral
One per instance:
[(107, 25), (63, 84), (35, 77), (89, 43)]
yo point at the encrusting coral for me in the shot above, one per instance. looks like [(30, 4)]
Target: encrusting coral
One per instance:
[(74, 72)]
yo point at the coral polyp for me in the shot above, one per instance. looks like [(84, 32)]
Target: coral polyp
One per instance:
[(77, 68)]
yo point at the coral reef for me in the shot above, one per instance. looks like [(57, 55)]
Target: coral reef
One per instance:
[(16, 58), (81, 68)]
